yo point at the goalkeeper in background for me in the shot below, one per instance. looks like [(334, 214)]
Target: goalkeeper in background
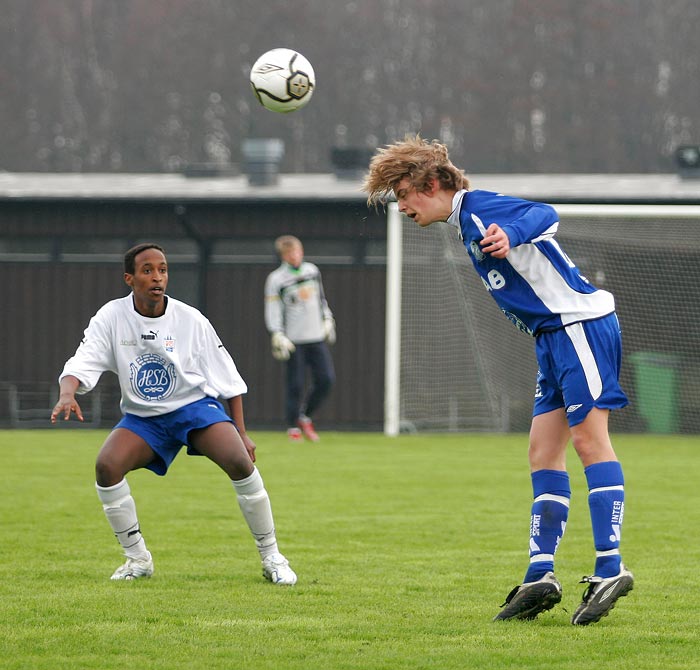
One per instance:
[(301, 326), (578, 346)]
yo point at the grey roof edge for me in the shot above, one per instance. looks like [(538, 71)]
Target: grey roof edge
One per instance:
[(172, 187)]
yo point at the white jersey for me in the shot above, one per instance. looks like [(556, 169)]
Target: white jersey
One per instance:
[(295, 303), (163, 363)]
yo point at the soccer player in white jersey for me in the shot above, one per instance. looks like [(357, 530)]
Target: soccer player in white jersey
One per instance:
[(578, 346), (172, 368), (301, 326)]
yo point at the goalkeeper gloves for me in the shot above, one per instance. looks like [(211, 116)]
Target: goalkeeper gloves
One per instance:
[(282, 346), (329, 330)]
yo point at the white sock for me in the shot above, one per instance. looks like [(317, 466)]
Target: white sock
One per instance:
[(255, 506), (120, 510)]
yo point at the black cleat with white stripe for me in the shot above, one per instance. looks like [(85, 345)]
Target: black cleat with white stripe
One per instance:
[(600, 596), (528, 600)]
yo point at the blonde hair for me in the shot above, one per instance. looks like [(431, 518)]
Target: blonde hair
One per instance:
[(419, 160), (286, 242)]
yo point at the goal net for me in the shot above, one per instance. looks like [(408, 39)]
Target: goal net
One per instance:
[(455, 363)]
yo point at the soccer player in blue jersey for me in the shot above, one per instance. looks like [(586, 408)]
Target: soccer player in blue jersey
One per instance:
[(512, 245), (172, 369)]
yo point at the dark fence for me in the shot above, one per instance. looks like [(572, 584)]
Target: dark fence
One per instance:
[(61, 260)]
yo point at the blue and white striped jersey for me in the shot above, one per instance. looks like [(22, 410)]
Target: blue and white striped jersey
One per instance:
[(536, 286)]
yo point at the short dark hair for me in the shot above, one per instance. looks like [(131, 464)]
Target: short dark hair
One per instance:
[(130, 256)]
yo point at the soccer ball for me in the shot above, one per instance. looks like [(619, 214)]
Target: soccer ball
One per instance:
[(282, 80)]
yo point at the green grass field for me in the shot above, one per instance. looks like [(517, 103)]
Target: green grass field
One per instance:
[(405, 548)]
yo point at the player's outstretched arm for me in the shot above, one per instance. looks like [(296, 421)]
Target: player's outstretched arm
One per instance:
[(66, 400), (235, 406)]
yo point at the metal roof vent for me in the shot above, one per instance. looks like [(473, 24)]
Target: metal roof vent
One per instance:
[(261, 160), (688, 161)]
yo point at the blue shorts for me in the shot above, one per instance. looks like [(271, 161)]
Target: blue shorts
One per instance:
[(579, 369), (167, 433)]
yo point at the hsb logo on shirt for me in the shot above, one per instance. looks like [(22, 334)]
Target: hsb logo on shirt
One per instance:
[(152, 377)]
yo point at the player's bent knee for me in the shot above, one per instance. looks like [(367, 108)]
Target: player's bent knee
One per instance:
[(108, 474), (238, 468)]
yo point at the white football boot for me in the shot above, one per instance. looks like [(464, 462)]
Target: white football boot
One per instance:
[(275, 568), (135, 568)]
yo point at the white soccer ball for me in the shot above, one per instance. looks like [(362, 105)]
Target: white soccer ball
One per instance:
[(282, 80)]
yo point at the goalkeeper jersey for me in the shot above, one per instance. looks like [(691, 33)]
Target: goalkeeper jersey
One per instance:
[(537, 286), (163, 363), (295, 303)]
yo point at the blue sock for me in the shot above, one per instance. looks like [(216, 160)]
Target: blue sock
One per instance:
[(606, 500), (550, 510)]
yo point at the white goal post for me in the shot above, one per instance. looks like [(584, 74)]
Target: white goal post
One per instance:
[(392, 349), (454, 363)]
